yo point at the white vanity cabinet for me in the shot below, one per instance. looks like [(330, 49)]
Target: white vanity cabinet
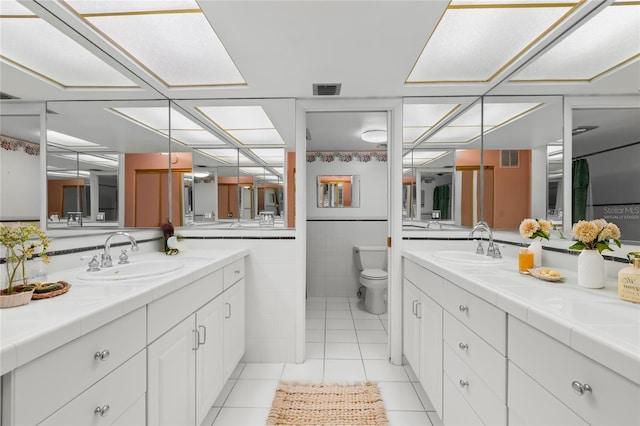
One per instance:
[(422, 335), (191, 359), (582, 390), (456, 344), (73, 380)]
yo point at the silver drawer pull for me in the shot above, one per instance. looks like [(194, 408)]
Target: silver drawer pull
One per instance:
[(463, 346), (102, 411), (228, 315), (463, 383), (463, 308), (102, 356), (237, 271), (579, 388)]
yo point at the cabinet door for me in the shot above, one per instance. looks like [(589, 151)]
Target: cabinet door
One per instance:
[(209, 356), (234, 333), (411, 326), (430, 316), (171, 376)]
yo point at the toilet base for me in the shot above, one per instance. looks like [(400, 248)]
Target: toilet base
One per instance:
[(374, 301)]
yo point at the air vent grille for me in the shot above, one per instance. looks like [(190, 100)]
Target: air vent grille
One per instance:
[(328, 89)]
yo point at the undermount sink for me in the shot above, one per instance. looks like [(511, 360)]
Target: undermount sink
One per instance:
[(132, 271), (466, 258)]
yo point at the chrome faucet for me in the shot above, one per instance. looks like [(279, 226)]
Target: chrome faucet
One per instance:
[(106, 255), (493, 249)]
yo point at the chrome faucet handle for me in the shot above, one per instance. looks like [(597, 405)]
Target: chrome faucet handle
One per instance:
[(491, 249), (123, 258), (479, 249), (106, 261), (496, 252), (94, 264)]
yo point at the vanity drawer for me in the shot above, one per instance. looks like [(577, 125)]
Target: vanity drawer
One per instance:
[(613, 399), (531, 405), (114, 394), (162, 314), (488, 363), (456, 411), (425, 280), (59, 376), (233, 273), (488, 406), (482, 317)]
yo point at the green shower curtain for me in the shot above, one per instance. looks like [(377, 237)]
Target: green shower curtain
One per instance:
[(441, 200), (580, 188)]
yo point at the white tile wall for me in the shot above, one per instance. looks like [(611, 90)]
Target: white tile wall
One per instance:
[(331, 271)]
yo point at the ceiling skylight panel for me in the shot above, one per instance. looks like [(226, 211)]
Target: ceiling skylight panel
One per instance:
[(455, 135), (195, 137), (474, 42), (238, 117), (85, 7), (154, 118), (411, 134), (68, 141), (421, 158), (225, 155), (257, 136), (32, 45), (425, 115), (178, 46), (608, 40), (272, 157)]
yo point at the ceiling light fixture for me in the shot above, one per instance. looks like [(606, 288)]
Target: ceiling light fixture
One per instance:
[(374, 136)]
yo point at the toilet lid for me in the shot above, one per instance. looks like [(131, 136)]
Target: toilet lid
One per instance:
[(374, 274)]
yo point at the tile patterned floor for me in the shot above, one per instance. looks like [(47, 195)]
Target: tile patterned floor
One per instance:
[(344, 343)]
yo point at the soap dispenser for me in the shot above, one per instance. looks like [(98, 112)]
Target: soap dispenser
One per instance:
[(629, 279)]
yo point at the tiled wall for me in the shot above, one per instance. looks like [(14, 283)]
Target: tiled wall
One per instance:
[(331, 270)]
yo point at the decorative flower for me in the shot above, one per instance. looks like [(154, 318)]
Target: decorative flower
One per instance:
[(535, 228), (595, 234), (22, 242)]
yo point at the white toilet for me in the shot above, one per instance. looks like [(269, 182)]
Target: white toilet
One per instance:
[(371, 261)]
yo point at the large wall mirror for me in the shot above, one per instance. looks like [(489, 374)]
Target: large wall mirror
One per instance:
[(506, 152), (605, 152)]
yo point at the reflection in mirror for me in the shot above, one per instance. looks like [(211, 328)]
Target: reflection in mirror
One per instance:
[(520, 132), (20, 162), (338, 191), (82, 188), (229, 188), (121, 163), (441, 183), (605, 149)]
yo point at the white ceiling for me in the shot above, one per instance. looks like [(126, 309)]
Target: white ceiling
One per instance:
[(281, 48)]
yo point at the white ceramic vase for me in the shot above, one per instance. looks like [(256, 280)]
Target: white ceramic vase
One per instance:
[(590, 269), (536, 248)]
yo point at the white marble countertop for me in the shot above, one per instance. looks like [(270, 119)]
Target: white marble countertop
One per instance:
[(595, 323), (29, 331)]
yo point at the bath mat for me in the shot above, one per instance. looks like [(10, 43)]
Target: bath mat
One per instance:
[(327, 404)]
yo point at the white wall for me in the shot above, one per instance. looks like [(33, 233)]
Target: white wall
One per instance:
[(373, 188), (19, 185), (331, 270)]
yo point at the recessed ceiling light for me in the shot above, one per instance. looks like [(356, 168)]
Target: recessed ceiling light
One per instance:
[(374, 136)]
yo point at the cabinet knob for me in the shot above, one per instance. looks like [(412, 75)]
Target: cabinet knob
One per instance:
[(102, 356), (463, 383), (579, 388), (463, 308), (102, 411), (463, 346), (237, 271)]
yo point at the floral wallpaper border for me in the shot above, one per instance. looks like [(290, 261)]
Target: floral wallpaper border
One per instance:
[(11, 144), (347, 157)]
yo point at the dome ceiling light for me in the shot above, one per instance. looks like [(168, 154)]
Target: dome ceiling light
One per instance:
[(374, 136)]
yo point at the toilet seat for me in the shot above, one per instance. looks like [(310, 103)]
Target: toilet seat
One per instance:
[(374, 274)]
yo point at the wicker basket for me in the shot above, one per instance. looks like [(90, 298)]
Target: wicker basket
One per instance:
[(63, 290), (15, 299)]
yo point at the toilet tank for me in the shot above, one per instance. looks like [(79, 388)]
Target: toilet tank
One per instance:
[(370, 257)]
